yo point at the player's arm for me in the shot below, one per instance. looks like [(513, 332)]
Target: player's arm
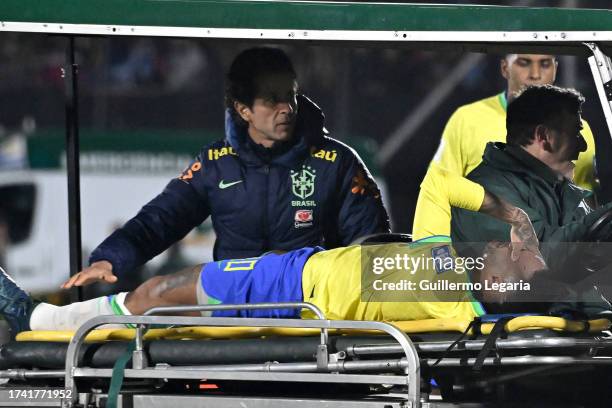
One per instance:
[(466, 194), (166, 219), (522, 234)]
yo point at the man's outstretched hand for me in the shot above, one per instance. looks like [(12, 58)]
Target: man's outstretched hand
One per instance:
[(96, 272)]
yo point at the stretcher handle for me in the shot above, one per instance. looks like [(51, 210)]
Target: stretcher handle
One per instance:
[(250, 306), (202, 308)]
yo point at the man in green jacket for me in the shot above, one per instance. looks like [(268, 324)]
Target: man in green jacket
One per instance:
[(533, 170)]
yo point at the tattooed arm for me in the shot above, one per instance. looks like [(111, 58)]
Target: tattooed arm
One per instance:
[(463, 193), (457, 191), (522, 234)]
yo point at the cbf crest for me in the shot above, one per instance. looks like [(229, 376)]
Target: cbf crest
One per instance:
[(302, 182)]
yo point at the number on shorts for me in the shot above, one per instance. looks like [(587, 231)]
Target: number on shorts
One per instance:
[(240, 264)]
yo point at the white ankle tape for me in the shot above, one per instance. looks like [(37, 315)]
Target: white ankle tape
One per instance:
[(119, 300), (70, 317)]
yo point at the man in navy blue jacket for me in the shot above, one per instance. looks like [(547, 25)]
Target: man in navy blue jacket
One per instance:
[(277, 181)]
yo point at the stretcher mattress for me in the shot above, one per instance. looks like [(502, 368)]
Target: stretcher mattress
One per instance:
[(409, 327)]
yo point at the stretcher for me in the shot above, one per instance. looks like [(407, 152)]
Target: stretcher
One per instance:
[(256, 362)]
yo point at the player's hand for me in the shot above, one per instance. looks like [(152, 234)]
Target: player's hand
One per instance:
[(101, 271), (523, 236), (568, 171)]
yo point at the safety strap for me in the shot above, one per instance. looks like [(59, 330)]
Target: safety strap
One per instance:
[(496, 332), (476, 324), (118, 373), (587, 327)]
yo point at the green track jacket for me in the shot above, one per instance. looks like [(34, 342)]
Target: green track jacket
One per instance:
[(556, 206)]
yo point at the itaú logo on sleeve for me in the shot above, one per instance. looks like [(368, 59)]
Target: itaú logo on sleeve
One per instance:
[(303, 218)]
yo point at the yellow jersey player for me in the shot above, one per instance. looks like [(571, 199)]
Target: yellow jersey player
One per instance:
[(474, 125), (342, 282)]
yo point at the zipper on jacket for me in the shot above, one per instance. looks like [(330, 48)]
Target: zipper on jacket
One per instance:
[(266, 244)]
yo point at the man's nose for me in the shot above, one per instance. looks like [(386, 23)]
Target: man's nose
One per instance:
[(286, 108), (535, 72)]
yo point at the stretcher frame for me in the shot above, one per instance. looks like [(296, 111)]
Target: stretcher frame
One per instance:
[(396, 363), (321, 371)]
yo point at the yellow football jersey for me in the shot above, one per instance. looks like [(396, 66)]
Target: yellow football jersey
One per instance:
[(461, 148), (440, 190), (342, 283)]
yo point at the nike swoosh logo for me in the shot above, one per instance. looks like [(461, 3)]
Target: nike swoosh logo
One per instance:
[(223, 185)]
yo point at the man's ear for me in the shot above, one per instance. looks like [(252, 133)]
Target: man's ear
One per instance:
[(503, 67), (543, 136), (243, 110)]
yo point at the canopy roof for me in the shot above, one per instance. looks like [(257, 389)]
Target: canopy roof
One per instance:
[(480, 28)]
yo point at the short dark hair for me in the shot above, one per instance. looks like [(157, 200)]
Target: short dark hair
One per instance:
[(539, 105), (507, 55), (246, 69)]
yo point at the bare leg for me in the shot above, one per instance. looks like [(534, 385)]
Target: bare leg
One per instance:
[(170, 290), (176, 289)]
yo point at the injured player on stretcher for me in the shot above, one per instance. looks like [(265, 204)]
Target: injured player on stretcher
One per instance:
[(333, 280)]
